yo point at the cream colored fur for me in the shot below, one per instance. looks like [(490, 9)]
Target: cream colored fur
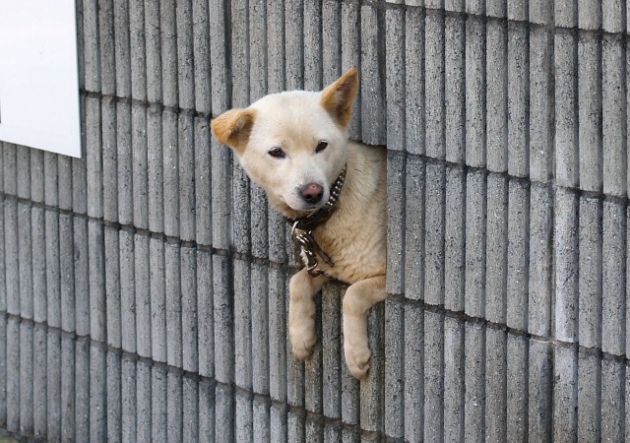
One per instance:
[(355, 236)]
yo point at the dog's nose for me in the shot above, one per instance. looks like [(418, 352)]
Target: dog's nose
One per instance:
[(312, 193)]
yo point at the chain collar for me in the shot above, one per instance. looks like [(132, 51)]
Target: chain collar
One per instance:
[(305, 240)]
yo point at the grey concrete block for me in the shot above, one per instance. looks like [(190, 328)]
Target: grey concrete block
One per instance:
[(142, 281), (415, 111), (170, 170), (434, 233), (40, 411), (174, 414), (454, 381), (114, 397), (565, 394), (53, 288), (541, 12), (614, 110), (26, 392), (81, 277), (350, 54), (122, 48), (314, 430), (124, 163), (243, 420), (454, 239), (394, 369), (565, 13), (496, 382), (93, 157), (242, 324), (590, 114), (219, 61), (98, 393), (66, 264), (25, 260), (3, 286), (37, 174), (190, 416), (518, 98), (261, 420), (159, 405), (10, 168), (155, 171), (259, 224), (260, 328), (186, 175), (203, 182), (455, 5), (143, 400), (277, 335), (96, 260), (68, 388), (241, 209), (204, 311), (540, 390), (51, 179), (3, 371), (157, 286), (38, 242), (109, 155), (395, 223), (613, 278), (540, 261), (13, 375), (434, 78), (434, 4), (517, 388), (78, 183), (476, 226), (206, 410), (475, 392), (589, 397), (201, 56), (455, 88), (590, 269), (278, 420), (313, 373), (127, 291), (239, 58), (91, 62), (517, 261), (332, 360), (433, 376), (168, 45), (566, 119), (612, 399), (627, 403), (82, 390), (23, 172), (540, 105), (153, 48), (11, 251), (224, 415), (277, 229), (223, 320), (312, 46), (589, 15), (295, 427), (496, 96), (476, 7), (221, 196), (475, 92), (138, 54), (185, 58), (496, 248), (139, 167), (257, 33), (395, 78), (331, 49), (107, 47), (190, 356), (496, 8), (613, 16), (350, 395), (517, 10), (53, 384), (566, 212), (276, 39), (173, 304), (414, 219), (112, 288)]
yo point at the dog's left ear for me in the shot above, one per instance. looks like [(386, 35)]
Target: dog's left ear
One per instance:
[(337, 98), (233, 127)]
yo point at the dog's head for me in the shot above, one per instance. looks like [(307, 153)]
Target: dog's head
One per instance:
[(293, 144)]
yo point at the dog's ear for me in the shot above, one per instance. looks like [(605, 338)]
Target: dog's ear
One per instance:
[(233, 127), (337, 98)]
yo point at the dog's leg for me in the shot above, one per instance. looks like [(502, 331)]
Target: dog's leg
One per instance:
[(359, 298), (302, 289)]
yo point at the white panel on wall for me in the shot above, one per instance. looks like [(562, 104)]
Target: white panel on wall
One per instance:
[(39, 89)]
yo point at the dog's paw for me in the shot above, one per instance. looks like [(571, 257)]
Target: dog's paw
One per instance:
[(303, 338), (358, 360)]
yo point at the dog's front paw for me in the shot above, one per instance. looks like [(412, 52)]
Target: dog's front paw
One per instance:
[(358, 360), (303, 338)]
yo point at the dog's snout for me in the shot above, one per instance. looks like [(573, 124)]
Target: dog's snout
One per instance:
[(312, 193)]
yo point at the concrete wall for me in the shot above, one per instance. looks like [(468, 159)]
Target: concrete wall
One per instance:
[(143, 287)]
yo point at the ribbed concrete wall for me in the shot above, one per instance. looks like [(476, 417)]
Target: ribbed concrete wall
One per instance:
[(143, 287)]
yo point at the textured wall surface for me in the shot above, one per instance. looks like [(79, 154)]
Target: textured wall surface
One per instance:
[(143, 287)]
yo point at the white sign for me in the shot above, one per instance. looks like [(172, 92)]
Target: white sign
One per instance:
[(39, 88)]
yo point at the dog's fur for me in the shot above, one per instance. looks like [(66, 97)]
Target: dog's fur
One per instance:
[(355, 236)]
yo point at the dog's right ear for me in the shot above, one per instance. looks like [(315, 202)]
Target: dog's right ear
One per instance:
[(233, 127)]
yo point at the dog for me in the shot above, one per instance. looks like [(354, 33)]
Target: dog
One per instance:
[(333, 192)]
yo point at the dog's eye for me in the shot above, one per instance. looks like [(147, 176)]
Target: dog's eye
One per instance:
[(321, 146), (277, 153)]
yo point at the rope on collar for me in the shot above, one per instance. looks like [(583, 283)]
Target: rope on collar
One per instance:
[(305, 240)]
